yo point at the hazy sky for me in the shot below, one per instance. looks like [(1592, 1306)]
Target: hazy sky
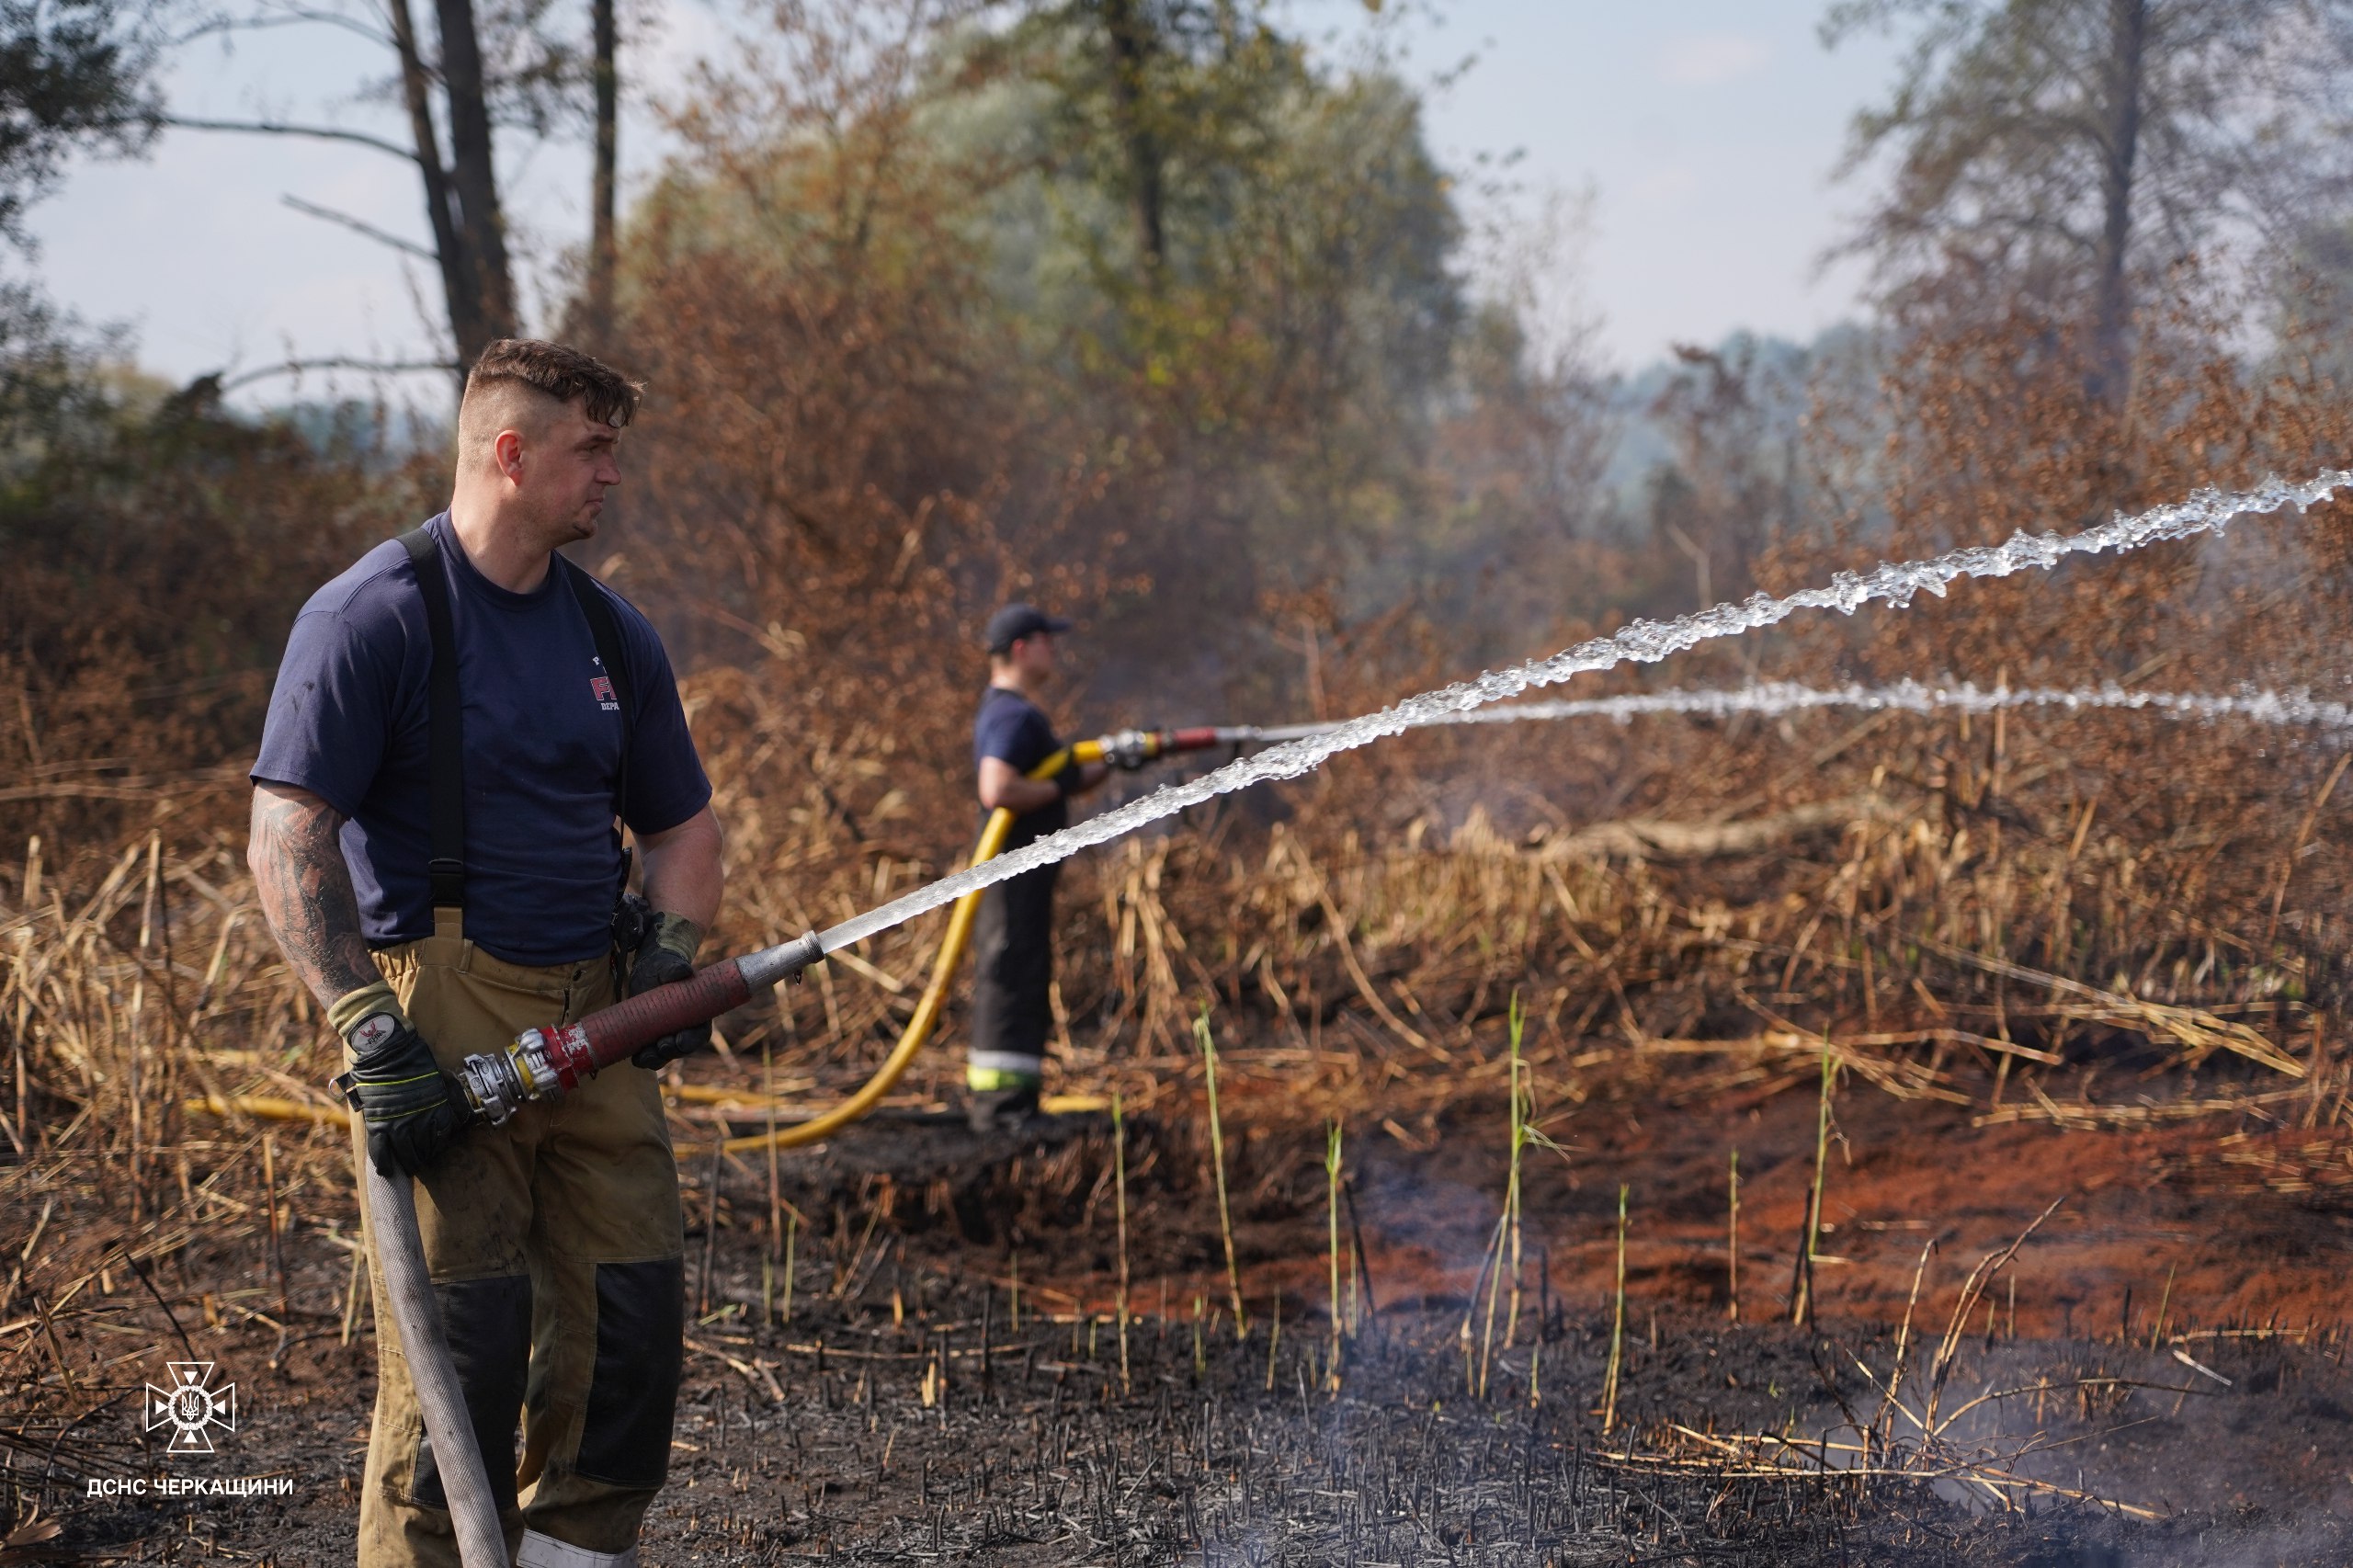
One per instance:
[(1704, 129)]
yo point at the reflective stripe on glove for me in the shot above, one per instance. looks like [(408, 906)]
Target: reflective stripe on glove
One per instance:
[(407, 1107), (667, 954)]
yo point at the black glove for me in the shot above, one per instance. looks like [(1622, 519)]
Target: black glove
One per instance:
[(665, 953), (1128, 750), (410, 1112)]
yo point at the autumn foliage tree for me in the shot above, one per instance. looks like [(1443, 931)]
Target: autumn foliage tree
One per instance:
[(2071, 151)]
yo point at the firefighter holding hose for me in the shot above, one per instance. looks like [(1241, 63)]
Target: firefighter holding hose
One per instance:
[(459, 720), (1014, 965)]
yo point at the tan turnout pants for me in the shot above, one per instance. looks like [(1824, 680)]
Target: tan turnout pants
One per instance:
[(554, 1244)]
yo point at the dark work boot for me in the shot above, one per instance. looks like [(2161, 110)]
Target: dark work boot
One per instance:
[(1002, 1111)]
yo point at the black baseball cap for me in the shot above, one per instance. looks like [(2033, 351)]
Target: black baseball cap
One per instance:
[(1017, 621)]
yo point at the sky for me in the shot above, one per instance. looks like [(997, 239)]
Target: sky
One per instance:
[(1695, 138), (1705, 134)]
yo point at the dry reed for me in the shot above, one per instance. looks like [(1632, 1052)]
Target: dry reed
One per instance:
[(1617, 1325), (1120, 1188), (1332, 1242), (1217, 1161), (1732, 1224), (1802, 1288)]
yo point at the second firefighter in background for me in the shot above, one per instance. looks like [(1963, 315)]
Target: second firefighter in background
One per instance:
[(1014, 975)]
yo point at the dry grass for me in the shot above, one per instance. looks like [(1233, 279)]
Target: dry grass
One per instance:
[(1370, 985), (2046, 976)]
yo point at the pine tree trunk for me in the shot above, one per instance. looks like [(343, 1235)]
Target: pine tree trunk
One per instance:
[(474, 177), (1130, 44), (2128, 25), (602, 196), (466, 327)]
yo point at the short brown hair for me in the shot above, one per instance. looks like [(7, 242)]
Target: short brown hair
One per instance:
[(562, 373)]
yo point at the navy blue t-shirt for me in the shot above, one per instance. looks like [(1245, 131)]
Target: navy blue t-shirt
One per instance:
[(349, 722), (1014, 730)]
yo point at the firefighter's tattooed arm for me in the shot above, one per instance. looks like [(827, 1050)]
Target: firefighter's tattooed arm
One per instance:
[(305, 891)]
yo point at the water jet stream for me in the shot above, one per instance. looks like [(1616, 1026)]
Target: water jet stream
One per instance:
[(1771, 699), (1644, 641)]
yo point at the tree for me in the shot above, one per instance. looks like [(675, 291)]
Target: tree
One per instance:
[(1733, 417), (605, 73), (502, 65), (73, 74), (2062, 147), (1240, 265), (1132, 41), (1162, 105), (462, 198)]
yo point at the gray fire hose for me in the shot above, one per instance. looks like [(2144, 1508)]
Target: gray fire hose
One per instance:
[(400, 1253), (543, 1065)]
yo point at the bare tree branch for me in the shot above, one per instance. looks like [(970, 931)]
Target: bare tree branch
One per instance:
[(278, 128), (336, 362), (220, 26), (407, 247)]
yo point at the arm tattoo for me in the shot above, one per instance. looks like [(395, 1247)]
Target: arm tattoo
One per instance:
[(305, 891)]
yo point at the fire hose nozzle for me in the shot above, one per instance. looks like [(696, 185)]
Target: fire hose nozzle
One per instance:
[(1131, 749), (772, 966)]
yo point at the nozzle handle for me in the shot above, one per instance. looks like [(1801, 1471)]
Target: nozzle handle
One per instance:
[(617, 1032), (784, 962)]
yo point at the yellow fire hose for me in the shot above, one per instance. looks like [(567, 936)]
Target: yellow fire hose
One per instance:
[(935, 995), (886, 1077)]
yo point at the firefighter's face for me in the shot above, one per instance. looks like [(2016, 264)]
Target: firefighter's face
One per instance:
[(1033, 656), (561, 471)]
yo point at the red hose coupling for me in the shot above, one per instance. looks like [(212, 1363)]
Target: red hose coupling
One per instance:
[(568, 1056)]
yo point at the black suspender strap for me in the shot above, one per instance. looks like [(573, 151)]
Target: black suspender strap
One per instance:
[(446, 744), (607, 630)]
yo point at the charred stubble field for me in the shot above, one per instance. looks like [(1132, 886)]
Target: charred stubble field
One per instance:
[(2018, 1011), (2163, 1355)]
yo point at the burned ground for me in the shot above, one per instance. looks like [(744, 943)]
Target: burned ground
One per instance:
[(2167, 1374)]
